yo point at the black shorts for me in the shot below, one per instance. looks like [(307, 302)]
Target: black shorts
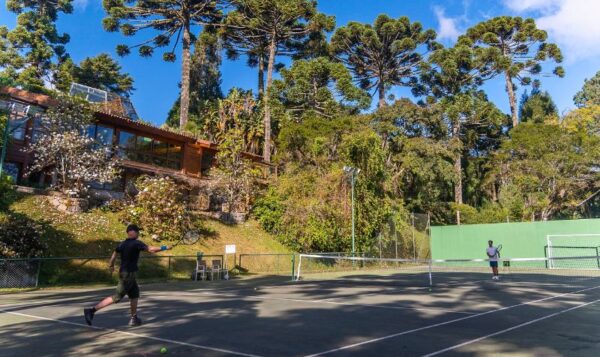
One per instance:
[(127, 286), (494, 264)]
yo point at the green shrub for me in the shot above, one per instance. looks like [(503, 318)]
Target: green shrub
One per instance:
[(20, 236), (7, 192), (160, 209)]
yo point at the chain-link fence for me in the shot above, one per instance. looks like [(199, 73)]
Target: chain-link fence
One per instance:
[(33, 272), (19, 273), (404, 237)]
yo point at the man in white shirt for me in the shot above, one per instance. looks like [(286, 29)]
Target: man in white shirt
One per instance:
[(492, 253)]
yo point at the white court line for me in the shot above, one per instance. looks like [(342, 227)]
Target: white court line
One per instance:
[(325, 301), (447, 322), (510, 328), (110, 330)]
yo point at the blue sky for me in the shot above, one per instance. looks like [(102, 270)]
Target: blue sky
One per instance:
[(570, 23)]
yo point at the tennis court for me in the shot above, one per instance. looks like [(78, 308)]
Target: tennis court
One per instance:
[(371, 313)]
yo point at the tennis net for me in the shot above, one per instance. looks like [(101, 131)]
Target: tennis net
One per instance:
[(568, 271)]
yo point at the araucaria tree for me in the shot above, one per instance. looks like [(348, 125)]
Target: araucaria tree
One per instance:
[(61, 145), (167, 19), (30, 52), (590, 93), (387, 53), (281, 25), (101, 71), (520, 49), (319, 87)]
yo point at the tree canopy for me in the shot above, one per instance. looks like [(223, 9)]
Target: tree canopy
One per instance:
[(387, 53)]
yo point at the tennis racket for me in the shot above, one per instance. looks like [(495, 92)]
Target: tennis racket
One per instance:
[(498, 249), (190, 237)]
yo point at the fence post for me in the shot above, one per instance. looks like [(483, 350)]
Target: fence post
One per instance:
[(293, 265), (37, 275), (169, 269)]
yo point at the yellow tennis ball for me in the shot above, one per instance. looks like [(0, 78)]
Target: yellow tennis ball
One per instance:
[(163, 350)]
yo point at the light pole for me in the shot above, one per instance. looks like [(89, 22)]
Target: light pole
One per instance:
[(353, 172)]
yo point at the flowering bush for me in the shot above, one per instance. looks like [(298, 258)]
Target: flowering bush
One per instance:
[(61, 144), (20, 237), (160, 209)]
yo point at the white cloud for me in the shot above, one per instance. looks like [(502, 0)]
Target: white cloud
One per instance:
[(448, 28), (573, 24), (80, 4)]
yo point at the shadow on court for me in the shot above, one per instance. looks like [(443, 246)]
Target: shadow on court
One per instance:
[(360, 316)]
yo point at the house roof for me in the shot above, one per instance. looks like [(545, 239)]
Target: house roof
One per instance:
[(105, 113)]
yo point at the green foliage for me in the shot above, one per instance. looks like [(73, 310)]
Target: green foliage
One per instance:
[(7, 192), (385, 54), (20, 236), (319, 87), (537, 108), (550, 168), (308, 207), (101, 71), (487, 213), (240, 111), (3, 122), (30, 52), (518, 49), (265, 29), (236, 175), (160, 209), (590, 93)]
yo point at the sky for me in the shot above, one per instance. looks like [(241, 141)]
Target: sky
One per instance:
[(572, 24)]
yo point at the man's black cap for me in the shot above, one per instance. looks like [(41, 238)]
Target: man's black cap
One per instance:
[(133, 227)]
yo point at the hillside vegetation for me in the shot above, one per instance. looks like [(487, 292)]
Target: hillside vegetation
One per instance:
[(95, 233)]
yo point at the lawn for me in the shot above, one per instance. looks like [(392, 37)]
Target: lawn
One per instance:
[(97, 232)]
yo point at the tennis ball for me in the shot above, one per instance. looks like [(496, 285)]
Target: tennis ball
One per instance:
[(163, 350)]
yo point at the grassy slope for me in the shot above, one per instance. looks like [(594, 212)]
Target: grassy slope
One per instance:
[(96, 233)]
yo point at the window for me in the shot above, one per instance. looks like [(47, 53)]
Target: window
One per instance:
[(36, 128), (175, 152), (91, 131), (126, 140), (144, 145), (104, 135), (11, 170), (17, 128)]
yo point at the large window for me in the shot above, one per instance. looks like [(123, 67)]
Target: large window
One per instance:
[(104, 135), (149, 151), (17, 128)]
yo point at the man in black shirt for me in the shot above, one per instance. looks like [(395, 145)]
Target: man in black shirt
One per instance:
[(129, 250)]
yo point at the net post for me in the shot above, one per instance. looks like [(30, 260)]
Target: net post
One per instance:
[(293, 265), (299, 267), (430, 275), (550, 253), (598, 258)]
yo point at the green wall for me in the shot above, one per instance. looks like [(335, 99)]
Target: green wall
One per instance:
[(519, 240)]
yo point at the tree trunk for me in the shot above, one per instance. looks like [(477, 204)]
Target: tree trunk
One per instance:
[(458, 197), (184, 105), (267, 120), (261, 76), (381, 91), (511, 99)]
